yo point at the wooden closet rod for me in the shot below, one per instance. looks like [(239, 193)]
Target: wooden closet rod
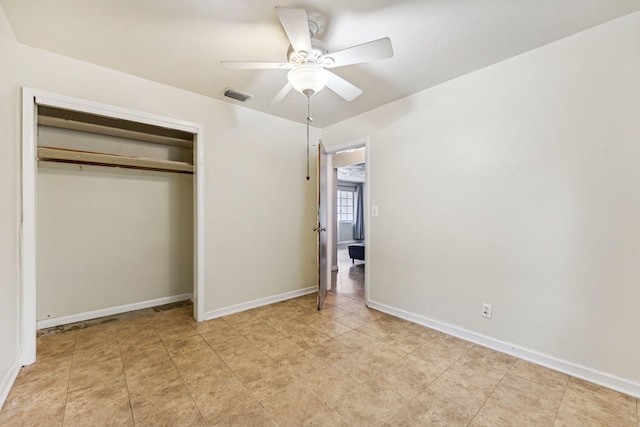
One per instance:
[(111, 131)]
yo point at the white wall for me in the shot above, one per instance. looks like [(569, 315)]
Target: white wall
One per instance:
[(255, 177), (519, 187), (109, 237), (9, 212)]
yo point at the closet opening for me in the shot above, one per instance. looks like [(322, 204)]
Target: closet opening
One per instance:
[(113, 212)]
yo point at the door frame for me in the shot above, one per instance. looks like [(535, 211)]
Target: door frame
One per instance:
[(31, 98), (362, 142)]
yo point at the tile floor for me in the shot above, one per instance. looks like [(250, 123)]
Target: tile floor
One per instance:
[(288, 364)]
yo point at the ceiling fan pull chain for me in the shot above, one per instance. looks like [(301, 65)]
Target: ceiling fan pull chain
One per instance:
[(308, 121)]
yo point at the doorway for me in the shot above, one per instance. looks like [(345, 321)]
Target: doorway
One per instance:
[(349, 205)]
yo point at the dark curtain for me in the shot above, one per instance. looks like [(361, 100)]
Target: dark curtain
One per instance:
[(358, 225)]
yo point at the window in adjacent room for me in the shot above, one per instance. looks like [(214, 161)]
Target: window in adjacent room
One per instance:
[(345, 205)]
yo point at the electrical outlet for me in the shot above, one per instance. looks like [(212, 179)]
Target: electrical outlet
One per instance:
[(486, 311)]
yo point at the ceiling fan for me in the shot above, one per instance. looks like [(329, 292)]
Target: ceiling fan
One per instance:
[(309, 59)]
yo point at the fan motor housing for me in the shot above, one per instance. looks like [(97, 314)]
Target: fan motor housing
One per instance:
[(316, 56)]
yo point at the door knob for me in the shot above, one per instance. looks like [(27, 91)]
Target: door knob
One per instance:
[(320, 229)]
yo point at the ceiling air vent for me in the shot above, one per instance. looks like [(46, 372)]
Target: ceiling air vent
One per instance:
[(238, 96)]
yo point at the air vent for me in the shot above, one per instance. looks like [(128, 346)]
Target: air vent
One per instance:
[(238, 96)]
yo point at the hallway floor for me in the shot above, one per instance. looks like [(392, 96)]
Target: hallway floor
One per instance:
[(287, 364), (348, 281)]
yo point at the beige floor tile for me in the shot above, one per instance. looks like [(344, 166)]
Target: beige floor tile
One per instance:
[(468, 387), (281, 349), (267, 381), (46, 372), (155, 400), (584, 403), (56, 345), (354, 321), (237, 318), (234, 348), (331, 351), (326, 417), (332, 328), (309, 337), (249, 366), (420, 371), (99, 351), (172, 331), (98, 412), (354, 339), (186, 415), (430, 408), (368, 407), (401, 419), (389, 381), (35, 394), (521, 401), (537, 374), (48, 416), (200, 359), (251, 416), (179, 346), (220, 335), (255, 325), (264, 336), (333, 312), (293, 405), (330, 384), (137, 358), (302, 363), (361, 366), (149, 376), (88, 374), (223, 400), (443, 350), (483, 357), (210, 325)]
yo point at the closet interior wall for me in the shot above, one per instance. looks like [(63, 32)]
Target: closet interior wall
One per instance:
[(114, 216)]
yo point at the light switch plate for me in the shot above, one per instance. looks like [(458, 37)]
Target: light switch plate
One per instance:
[(374, 210)]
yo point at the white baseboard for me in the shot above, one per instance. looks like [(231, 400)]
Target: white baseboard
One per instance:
[(588, 374), (7, 382), (232, 309), (65, 320)]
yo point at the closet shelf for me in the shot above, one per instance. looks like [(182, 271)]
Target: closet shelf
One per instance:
[(112, 160), (62, 123)]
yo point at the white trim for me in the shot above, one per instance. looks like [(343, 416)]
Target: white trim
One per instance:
[(7, 382), (199, 226), (50, 99), (65, 320), (31, 97), (588, 374), (28, 231), (237, 308)]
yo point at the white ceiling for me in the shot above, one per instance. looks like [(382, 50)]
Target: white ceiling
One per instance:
[(181, 42), (352, 173)]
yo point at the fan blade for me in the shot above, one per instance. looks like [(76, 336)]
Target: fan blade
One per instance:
[(343, 88), (371, 51), (280, 96), (241, 65), (294, 22)]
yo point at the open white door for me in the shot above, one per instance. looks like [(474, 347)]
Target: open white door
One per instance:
[(321, 229)]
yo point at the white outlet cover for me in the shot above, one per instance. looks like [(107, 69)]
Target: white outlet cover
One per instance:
[(486, 310)]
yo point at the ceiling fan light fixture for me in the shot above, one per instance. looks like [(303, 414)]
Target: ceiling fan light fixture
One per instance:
[(308, 78)]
